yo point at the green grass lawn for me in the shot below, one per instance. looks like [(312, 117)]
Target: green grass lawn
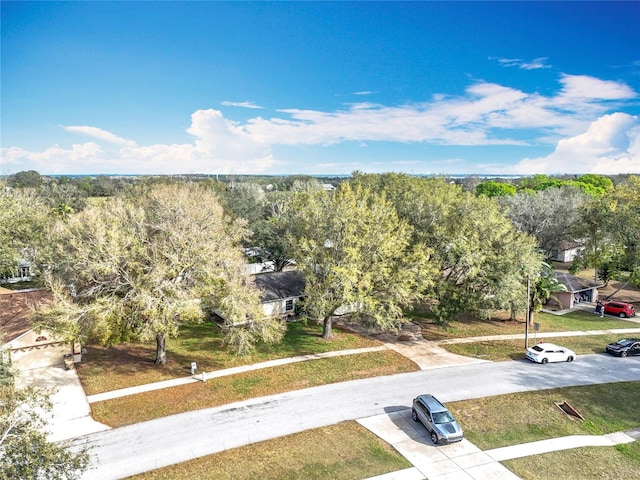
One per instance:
[(572, 321), (128, 364), (503, 420), (589, 463), (501, 350), (346, 451), (526, 417)]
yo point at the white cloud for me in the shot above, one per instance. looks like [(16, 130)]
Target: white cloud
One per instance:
[(576, 87), (535, 64), (487, 114), (610, 145), (242, 105), (219, 146), (99, 134)]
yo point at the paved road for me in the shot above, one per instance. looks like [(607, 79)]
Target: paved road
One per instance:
[(145, 446)]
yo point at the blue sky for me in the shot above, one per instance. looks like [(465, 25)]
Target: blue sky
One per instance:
[(320, 88)]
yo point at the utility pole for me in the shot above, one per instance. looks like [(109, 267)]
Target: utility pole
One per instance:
[(526, 323)]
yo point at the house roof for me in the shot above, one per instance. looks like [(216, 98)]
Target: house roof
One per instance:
[(280, 285), (15, 312), (576, 284)]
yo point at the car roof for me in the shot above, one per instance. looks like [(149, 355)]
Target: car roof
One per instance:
[(548, 345), (432, 402)]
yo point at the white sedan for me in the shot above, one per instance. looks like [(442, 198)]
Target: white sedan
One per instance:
[(548, 352)]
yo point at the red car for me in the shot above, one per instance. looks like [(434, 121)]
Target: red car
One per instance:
[(620, 309)]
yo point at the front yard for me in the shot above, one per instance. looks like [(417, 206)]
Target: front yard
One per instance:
[(128, 364)]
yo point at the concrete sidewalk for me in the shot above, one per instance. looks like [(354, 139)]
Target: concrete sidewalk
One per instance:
[(532, 336)]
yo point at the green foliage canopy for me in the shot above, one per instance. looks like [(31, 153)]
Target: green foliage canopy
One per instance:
[(356, 254), (142, 265)]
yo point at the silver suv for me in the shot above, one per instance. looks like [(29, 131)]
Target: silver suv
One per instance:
[(436, 418)]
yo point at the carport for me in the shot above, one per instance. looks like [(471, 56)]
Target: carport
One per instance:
[(579, 290)]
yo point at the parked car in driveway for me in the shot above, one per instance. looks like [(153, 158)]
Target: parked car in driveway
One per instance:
[(438, 421), (620, 309), (624, 347), (549, 352)]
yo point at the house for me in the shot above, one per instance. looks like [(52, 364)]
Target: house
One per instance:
[(26, 348), (578, 290), (280, 291), (568, 251), (21, 273)]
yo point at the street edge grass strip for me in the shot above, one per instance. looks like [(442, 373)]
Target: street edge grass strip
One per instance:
[(586, 463), (503, 350), (243, 386), (344, 451), (516, 418)]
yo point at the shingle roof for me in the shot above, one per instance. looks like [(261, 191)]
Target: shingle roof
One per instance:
[(15, 312), (279, 285), (576, 284)]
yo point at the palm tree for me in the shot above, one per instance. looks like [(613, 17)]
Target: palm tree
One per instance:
[(542, 289)]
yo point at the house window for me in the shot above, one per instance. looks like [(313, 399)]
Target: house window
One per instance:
[(288, 306)]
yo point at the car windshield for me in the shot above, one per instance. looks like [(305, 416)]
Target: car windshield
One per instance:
[(537, 348), (442, 417), (625, 343)]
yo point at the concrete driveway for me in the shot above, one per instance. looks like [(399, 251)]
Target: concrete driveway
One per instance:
[(459, 461), (71, 415)]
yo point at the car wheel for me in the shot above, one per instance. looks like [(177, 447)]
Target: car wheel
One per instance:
[(414, 415), (569, 359), (434, 438), (544, 360), (622, 315), (623, 354)]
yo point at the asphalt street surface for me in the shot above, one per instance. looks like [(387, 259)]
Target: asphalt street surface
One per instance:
[(149, 445)]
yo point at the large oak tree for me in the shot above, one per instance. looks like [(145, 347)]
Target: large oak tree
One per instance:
[(140, 266), (356, 254)]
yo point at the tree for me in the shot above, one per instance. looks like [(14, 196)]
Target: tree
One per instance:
[(23, 218), (478, 254), (25, 179), (543, 286), (246, 200), (141, 266), (608, 271), (25, 452), (599, 181), (269, 236), (551, 215), (622, 223), (491, 188), (354, 252), (611, 227), (61, 197)]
